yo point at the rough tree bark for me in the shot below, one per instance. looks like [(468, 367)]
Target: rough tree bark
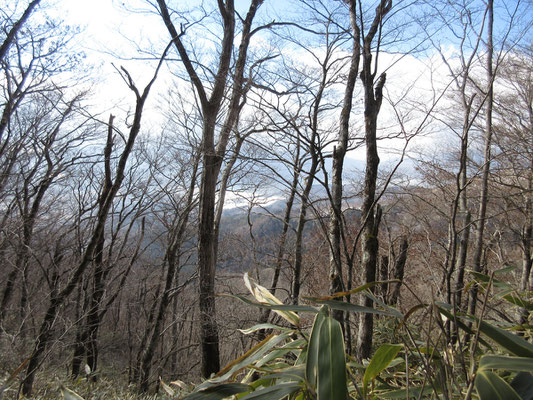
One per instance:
[(339, 152), (370, 214)]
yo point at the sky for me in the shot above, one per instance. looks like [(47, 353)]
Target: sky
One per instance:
[(111, 31), (112, 35)]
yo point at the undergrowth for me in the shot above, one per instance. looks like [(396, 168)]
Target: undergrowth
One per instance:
[(431, 351)]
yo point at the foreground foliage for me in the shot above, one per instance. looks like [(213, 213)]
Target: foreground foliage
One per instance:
[(479, 359), (429, 358)]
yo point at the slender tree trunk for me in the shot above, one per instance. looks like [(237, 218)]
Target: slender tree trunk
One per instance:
[(283, 238), (339, 152), (399, 269), (172, 260), (459, 234), (370, 250), (79, 344), (384, 276), (526, 282), (462, 255), (280, 256), (460, 239), (483, 197), (527, 262), (302, 219), (149, 351), (206, 254), (314, 152), (147, 334), (174, 331), (370, 214)]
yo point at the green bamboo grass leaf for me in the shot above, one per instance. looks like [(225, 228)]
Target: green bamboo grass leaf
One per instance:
[(515, 344), (381, 360), (312, 348), (344, 306), (486, 279), (290, 374), (491, 387), (263, 295), (246, 360), (259, 327), (507, 363), (331, 373), (277, 392), (386, 307), (519, 301), (294, 346), (219, 392), (509, 293), (443, 309), (69, 394), (277, 307), (523, 385), (397, 361), (505, 270)]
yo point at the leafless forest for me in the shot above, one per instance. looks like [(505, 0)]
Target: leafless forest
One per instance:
[(317, 145)]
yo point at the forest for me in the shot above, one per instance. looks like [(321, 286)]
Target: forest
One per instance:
[(267, 199)]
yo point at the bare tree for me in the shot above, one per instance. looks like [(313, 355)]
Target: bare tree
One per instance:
[(483, 195), (177, 237), (113, 262), (212, 153), (15, 28), (55, 149), (110, 187), (339, 153), (512, 174)]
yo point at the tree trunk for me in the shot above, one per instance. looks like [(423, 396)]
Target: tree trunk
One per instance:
[(399, 269), (384, 276), (339, 152), (370, 249), (370, 218), (526, 282), (172, 260), (213, 157), (298, 247), (370, 214), (281, 246), (483, 197), (206, 254)]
